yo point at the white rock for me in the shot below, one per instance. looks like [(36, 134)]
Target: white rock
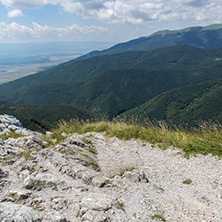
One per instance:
[(13, 127), (10, 120), (30, 182), (97, 201), (54, 216), (11, 212), (64, 134), (48, 133), (99, 181)]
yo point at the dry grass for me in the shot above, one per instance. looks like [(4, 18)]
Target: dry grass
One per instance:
[(204, 139)]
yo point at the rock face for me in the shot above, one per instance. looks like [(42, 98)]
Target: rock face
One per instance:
[(10, 123), (104, 179)]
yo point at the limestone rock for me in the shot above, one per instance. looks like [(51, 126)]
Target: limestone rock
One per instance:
[(2, 174), (135, 176), (54, 216), (99, 181), (10, 120), (40, 179), (30, 182), (77, 142), (9, 123), (11, 212), (34, 141), (97, 201)]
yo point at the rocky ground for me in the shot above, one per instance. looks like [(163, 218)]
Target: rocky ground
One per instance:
[(92, 177)]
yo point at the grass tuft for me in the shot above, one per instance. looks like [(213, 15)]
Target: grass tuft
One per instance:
[(188, 181), (120, 206), (158, 216), (11, 134), (26, 154)]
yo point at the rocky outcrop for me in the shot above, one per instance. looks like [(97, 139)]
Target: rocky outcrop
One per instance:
[(94, 178), (10, 123)]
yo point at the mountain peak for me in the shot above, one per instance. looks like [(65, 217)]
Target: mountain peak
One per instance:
[(200, 36), (194, 28)]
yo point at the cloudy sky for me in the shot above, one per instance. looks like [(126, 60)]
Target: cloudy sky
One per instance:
[(100, 20)]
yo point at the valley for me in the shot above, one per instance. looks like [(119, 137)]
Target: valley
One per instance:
[(19, 60), (177, 80), (22, 67), (129, 133)]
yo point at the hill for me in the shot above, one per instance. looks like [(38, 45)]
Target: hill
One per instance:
[(113, 84), (190, 104), (43, 117), (203, 37)]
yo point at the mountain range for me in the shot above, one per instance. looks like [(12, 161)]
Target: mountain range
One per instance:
[(203, 37), (170, 75)]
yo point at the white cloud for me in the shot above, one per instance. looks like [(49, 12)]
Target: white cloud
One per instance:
[(131, 11), (30, 4), (15, 13), (15, 32), (143, 11)]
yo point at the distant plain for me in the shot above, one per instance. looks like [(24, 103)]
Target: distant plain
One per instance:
[(14, 71), (19, 60)]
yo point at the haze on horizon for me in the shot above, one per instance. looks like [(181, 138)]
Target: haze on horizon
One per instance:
[(23, 21)]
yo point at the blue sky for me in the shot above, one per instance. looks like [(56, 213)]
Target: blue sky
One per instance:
[(100, 20)]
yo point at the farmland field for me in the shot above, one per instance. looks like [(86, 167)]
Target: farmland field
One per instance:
[(17, 70), (18, 60)]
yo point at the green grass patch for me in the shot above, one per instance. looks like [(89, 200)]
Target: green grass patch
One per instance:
[(91, 150), (11, 134), (188, 181), (26, 154)]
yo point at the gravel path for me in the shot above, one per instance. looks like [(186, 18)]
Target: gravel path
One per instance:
[(165, 196)]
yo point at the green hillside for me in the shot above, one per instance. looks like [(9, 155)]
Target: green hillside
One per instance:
[(203, 37), (175, 57), (188, 104), (113, 84), (43, 117), (109, 93)]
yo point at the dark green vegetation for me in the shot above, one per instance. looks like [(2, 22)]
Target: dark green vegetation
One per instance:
[(44, 117), (190, 104), (179, 83), (203, 37)]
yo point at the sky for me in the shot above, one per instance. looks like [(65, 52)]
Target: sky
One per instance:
[(24, 21)]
